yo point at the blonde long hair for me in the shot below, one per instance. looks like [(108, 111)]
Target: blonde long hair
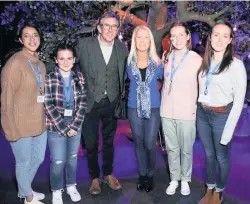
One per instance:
[(152, 49)]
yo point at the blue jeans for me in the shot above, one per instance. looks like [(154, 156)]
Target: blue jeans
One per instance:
[(29, 153), (63, 151), (210, 126), (145, 132)]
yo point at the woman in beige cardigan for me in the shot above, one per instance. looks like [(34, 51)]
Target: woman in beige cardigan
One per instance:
[(23, 118)]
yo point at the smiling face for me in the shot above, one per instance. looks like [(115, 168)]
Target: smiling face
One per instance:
[(179, 37), (221, 37), (108, 29), (65, 60), (30, 39), (142, 40)]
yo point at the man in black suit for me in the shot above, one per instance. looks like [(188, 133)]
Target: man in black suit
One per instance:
[(102, 62)]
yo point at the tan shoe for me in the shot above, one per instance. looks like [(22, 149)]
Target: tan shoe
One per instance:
[(207, 197), (112, 182), (95, 187), (217, 198)]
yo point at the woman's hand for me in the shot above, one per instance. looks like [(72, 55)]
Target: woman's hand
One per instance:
[(71, 133)]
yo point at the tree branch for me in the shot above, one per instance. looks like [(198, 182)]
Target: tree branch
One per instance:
[(130, 17), (151, 17), (184, 15), (162, 15), (86, 30), (124, 17), (156, 14), (122, 4)]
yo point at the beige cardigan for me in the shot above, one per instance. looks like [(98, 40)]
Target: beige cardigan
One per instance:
[(21, 115)]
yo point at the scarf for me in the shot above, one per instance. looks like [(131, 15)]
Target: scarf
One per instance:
[(143, 89)]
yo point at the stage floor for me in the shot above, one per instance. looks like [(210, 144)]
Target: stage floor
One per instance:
[(125, 169)]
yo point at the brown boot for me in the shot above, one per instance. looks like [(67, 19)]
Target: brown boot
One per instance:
[(216, 198), (207, 197), (112, 182), (95, 187)]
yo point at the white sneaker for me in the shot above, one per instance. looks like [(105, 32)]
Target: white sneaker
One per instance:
[(34, 201), (185, 190), (39, 196), (172, 187), (73, 193), (57, 197)]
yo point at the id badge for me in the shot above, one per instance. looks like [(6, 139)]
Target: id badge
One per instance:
[(40, 99), (68, 112), (205, 99)]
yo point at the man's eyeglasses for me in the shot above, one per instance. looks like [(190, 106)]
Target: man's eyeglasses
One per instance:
[(107, 26)]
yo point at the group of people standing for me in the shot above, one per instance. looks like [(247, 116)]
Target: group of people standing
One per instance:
[(204, 94)]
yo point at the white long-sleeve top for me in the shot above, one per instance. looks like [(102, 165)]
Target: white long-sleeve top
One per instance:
[(224, 88)]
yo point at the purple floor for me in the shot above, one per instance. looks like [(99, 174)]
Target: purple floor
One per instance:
[(239, 180), (125, 165)]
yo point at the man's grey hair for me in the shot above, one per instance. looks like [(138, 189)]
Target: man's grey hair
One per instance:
[(109, 15)]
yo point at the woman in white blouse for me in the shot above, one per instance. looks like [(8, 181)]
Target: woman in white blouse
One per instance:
[(222, 87)]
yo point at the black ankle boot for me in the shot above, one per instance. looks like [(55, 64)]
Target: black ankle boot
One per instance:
[(149, 184), (141, 183)]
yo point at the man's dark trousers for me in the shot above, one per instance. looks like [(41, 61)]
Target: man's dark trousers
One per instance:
[(104, 111)]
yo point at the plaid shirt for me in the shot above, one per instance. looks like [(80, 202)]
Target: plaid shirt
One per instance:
[(54, 102)]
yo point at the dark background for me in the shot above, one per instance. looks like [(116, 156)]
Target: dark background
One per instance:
[(8, 41)]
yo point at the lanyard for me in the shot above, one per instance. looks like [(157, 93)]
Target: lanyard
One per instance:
[(173, 70), (211, 70), (67, 90), (38, 75)]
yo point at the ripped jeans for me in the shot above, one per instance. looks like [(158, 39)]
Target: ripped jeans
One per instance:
[(63, 153)]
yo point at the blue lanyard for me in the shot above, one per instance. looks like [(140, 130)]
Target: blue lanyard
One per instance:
[(38, 75), (173, 70), (211, 70), (67, 90)]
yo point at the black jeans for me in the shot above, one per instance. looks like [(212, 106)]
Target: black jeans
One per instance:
[(102, 111)]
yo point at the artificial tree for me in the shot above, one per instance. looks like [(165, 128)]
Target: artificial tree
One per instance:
[(67, 21)]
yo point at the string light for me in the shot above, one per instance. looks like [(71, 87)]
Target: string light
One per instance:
[(235, 28), (120, 36)]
